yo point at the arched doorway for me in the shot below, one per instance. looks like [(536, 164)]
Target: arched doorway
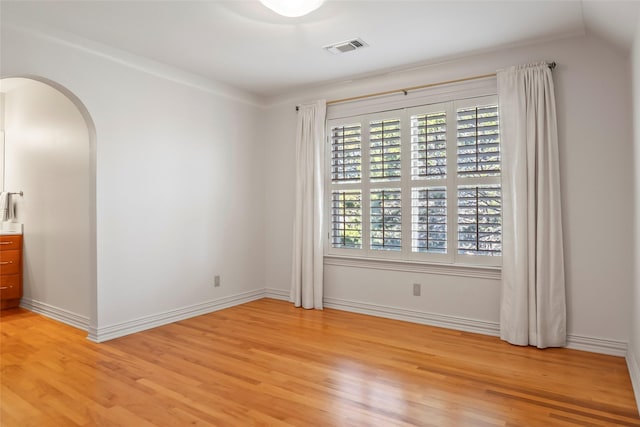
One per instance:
[(49, 155)]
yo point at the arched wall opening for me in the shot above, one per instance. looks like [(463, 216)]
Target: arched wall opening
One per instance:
[(48, 153)]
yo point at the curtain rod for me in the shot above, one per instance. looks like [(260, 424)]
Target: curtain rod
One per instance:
[(406, 90)]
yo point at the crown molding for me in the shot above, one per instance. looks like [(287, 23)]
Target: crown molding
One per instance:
[(135, 62)]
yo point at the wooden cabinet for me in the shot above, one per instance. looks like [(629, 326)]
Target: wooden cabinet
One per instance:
[(10, 270)]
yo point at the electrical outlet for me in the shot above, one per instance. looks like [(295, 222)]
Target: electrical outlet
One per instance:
[(417, 288), (216, 281)]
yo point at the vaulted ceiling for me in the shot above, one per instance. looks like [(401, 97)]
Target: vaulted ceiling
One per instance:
[(243, 44)]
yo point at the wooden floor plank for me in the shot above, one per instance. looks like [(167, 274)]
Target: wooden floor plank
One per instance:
[(267, 363)]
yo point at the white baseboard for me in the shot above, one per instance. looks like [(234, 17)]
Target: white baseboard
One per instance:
[(59, 314), (110, 332), (597, 345), (633, 363), (577, 342), (431, 319), (276, 294)]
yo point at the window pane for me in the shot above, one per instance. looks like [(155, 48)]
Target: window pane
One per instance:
[(429, 145), (480, 220), (386, 220), (346, 153), (429, 220), (431, 180), (384, 138), (346, 219), (478, 141)]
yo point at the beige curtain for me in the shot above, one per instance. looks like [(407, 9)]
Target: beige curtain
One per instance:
[(307, 266), (533, 308)]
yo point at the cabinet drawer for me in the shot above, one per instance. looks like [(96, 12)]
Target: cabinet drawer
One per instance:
[(11, 286), (10, 262), (8, 243)]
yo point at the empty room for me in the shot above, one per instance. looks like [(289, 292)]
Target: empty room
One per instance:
[(319, 213)]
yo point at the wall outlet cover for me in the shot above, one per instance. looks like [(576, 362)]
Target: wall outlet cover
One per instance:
[(417, 288)]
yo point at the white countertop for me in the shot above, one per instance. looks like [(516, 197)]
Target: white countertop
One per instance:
[(8, 228)]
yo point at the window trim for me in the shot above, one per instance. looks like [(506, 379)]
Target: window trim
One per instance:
[(460, 270), (452, 260)]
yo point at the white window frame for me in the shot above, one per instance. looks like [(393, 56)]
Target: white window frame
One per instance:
[(481, 180), (447, 183), (406, 183)]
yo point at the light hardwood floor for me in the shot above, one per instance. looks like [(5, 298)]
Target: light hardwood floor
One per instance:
[(267, 363)]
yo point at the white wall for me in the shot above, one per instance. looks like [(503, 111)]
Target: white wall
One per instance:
[(633, 356), (592, 92), (178, 178), (1, 141), (47, 157)]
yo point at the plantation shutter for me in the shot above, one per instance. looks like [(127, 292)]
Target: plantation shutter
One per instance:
[(429, 145), (346, 219), (478, 141), (346, 204), (386, 219), (346, 153), (419, 184), (384, 152), (479, 219)]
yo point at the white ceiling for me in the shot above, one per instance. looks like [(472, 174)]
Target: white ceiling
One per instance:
[(243, 44)]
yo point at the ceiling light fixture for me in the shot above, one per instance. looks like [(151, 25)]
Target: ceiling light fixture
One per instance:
[(292, 8)]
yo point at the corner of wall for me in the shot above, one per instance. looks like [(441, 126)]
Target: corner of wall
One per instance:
[(56, 313), (633, 364), (633, 353)]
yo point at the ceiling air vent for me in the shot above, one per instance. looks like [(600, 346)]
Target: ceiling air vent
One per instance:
[(346, 46)]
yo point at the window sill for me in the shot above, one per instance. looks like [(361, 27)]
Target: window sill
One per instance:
[(480, 272)]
